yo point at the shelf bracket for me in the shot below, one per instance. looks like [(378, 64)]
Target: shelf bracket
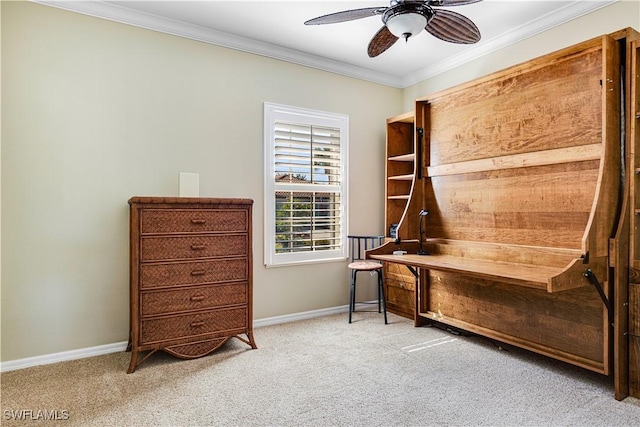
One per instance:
[(413, 271), (590, 275)]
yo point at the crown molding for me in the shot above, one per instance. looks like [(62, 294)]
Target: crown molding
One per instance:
[(123, 15), (558, 17), (128, 16)]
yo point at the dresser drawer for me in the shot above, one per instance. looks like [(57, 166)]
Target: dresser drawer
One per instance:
[(192, 220), (186, 273), (181, 247), (194, 298), (191, 325)]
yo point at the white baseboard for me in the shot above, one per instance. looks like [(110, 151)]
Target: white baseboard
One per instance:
[(268, 321), (81, 353), (63, 356)]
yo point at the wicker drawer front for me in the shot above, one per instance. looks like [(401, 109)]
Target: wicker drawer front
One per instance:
[(186, 273), (171, 328), (167, 247), (198, 297), (192, 220)]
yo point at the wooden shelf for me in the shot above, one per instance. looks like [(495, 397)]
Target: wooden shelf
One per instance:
[(537, 158), (399, 197), (402, 118), (408, 177), (403, 158)]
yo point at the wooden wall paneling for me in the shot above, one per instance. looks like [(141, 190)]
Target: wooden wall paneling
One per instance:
[(621, 248), (506, 206), (539, 107), (620, 265), (633, 120), (603, 218), (634, 366), (567, 325), (634, 340), (400, 288)]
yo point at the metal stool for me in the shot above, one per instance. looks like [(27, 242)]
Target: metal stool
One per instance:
[(357, 247)]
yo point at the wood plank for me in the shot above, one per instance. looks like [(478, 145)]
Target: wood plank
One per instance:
[(607, 200), (519, 254), (408, 177), (531, 276), (556, 106), (548, 206), (634, 366), (538, 158), (401, 118), (634, 312), (634, 271), (403, 158), (592, 45), (620, 256), (566, 325)]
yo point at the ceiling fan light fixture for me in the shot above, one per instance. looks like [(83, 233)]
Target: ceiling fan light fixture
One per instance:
[(406, 25)]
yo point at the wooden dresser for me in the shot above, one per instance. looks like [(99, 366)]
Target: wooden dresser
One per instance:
[(190, 275)]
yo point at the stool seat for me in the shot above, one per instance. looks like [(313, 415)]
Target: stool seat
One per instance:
[(365, 265)]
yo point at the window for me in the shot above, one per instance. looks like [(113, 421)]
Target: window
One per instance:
[(305, 185)]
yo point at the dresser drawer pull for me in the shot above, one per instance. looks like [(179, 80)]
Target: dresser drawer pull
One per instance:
[(197, 324), (198, 272), (198, 221), (197, 247), (197, 298)]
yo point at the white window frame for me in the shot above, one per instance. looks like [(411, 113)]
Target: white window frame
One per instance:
[(281, 113)]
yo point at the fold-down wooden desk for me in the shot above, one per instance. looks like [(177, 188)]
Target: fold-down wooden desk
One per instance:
[(548, 304)]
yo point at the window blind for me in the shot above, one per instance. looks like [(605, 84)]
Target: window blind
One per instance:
[(307, 182)]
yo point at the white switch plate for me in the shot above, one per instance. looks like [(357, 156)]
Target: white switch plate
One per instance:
[(189, 184)]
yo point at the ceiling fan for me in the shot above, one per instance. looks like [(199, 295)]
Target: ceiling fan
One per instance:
[(407, 18)]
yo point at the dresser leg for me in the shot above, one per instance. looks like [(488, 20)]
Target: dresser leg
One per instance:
[(249, 340), (134, 361), (252, 342)]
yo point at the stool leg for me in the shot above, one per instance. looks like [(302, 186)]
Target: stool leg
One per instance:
[(381, 292), (352, 294)]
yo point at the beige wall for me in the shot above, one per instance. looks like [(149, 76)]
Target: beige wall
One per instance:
[(95, 112), (619, 15)]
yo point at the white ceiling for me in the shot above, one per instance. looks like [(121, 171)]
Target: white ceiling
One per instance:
[(276, 29)]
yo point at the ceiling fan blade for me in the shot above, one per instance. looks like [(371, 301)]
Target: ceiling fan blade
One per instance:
[(450, 2), (347, 15), (453, 27), (382, 41)]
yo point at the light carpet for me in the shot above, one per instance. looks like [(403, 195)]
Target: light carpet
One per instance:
[(323, 372)]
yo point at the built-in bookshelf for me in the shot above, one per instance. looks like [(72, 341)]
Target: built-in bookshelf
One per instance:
[(400, 168)]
